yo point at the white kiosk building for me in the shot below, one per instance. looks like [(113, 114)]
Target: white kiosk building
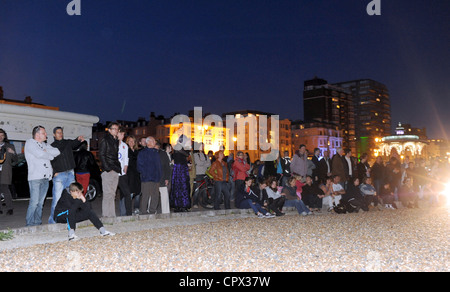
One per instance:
[(19, 120)]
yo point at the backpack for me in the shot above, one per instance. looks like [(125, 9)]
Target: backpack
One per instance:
[(340, 209)]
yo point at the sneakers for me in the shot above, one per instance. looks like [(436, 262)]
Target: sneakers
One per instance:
[(73, 237), (106, 233), (103, 232), (268, 215)]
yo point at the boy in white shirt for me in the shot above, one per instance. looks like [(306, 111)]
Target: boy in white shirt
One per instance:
[(336, 194)]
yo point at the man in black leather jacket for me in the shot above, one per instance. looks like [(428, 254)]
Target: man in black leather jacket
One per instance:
[(109, 158)]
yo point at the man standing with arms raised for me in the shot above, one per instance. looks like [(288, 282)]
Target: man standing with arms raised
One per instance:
[(109, 157), (38, 155), (63, 166)]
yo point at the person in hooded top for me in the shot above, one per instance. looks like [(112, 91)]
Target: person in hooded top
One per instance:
[(73, 207)]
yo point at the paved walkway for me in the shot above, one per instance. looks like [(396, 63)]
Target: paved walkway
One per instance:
[(16, 222)]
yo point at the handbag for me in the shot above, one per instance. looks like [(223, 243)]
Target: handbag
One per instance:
[(2, 155)]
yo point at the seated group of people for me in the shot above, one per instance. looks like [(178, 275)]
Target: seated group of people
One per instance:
[(266, 197)]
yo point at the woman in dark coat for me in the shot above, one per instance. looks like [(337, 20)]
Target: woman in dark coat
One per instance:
[(8, 156), (134, 177), (353, 197), (180, 192)]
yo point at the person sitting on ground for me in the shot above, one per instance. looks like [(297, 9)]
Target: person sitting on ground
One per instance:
[(387, 196), (246, 198), (292, 200), (353, 199), (327, 188), (337, 190), (369, 192), (299, 184), (275, 199), (312, 195), (72, 208)]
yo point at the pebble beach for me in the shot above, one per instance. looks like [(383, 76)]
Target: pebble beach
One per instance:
[(387, 240)]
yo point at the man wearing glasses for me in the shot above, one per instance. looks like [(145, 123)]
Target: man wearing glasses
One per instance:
[(109, 158), (38, 155)]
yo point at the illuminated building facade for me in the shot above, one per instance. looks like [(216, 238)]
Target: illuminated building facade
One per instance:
[(333, 104), (325, 136), (372, 109)]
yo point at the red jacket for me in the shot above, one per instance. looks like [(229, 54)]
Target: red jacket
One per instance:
[(240, 168)]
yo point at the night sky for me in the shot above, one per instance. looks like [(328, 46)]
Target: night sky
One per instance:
[(124, 59)]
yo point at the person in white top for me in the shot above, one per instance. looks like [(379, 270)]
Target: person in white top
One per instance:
[(125, 193), (275, 199), (336, 194), (38, 155)]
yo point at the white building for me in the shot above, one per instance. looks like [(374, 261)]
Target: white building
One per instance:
[(18, 122)]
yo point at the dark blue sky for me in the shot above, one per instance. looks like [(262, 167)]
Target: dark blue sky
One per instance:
[(123, 59)]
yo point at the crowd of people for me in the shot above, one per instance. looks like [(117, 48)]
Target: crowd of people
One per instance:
[(152, 177)]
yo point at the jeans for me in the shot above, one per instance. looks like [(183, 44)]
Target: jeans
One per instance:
[(219, 188), (247, 204), (239, 185), (38, 191), (298, 204), (60, 182)]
